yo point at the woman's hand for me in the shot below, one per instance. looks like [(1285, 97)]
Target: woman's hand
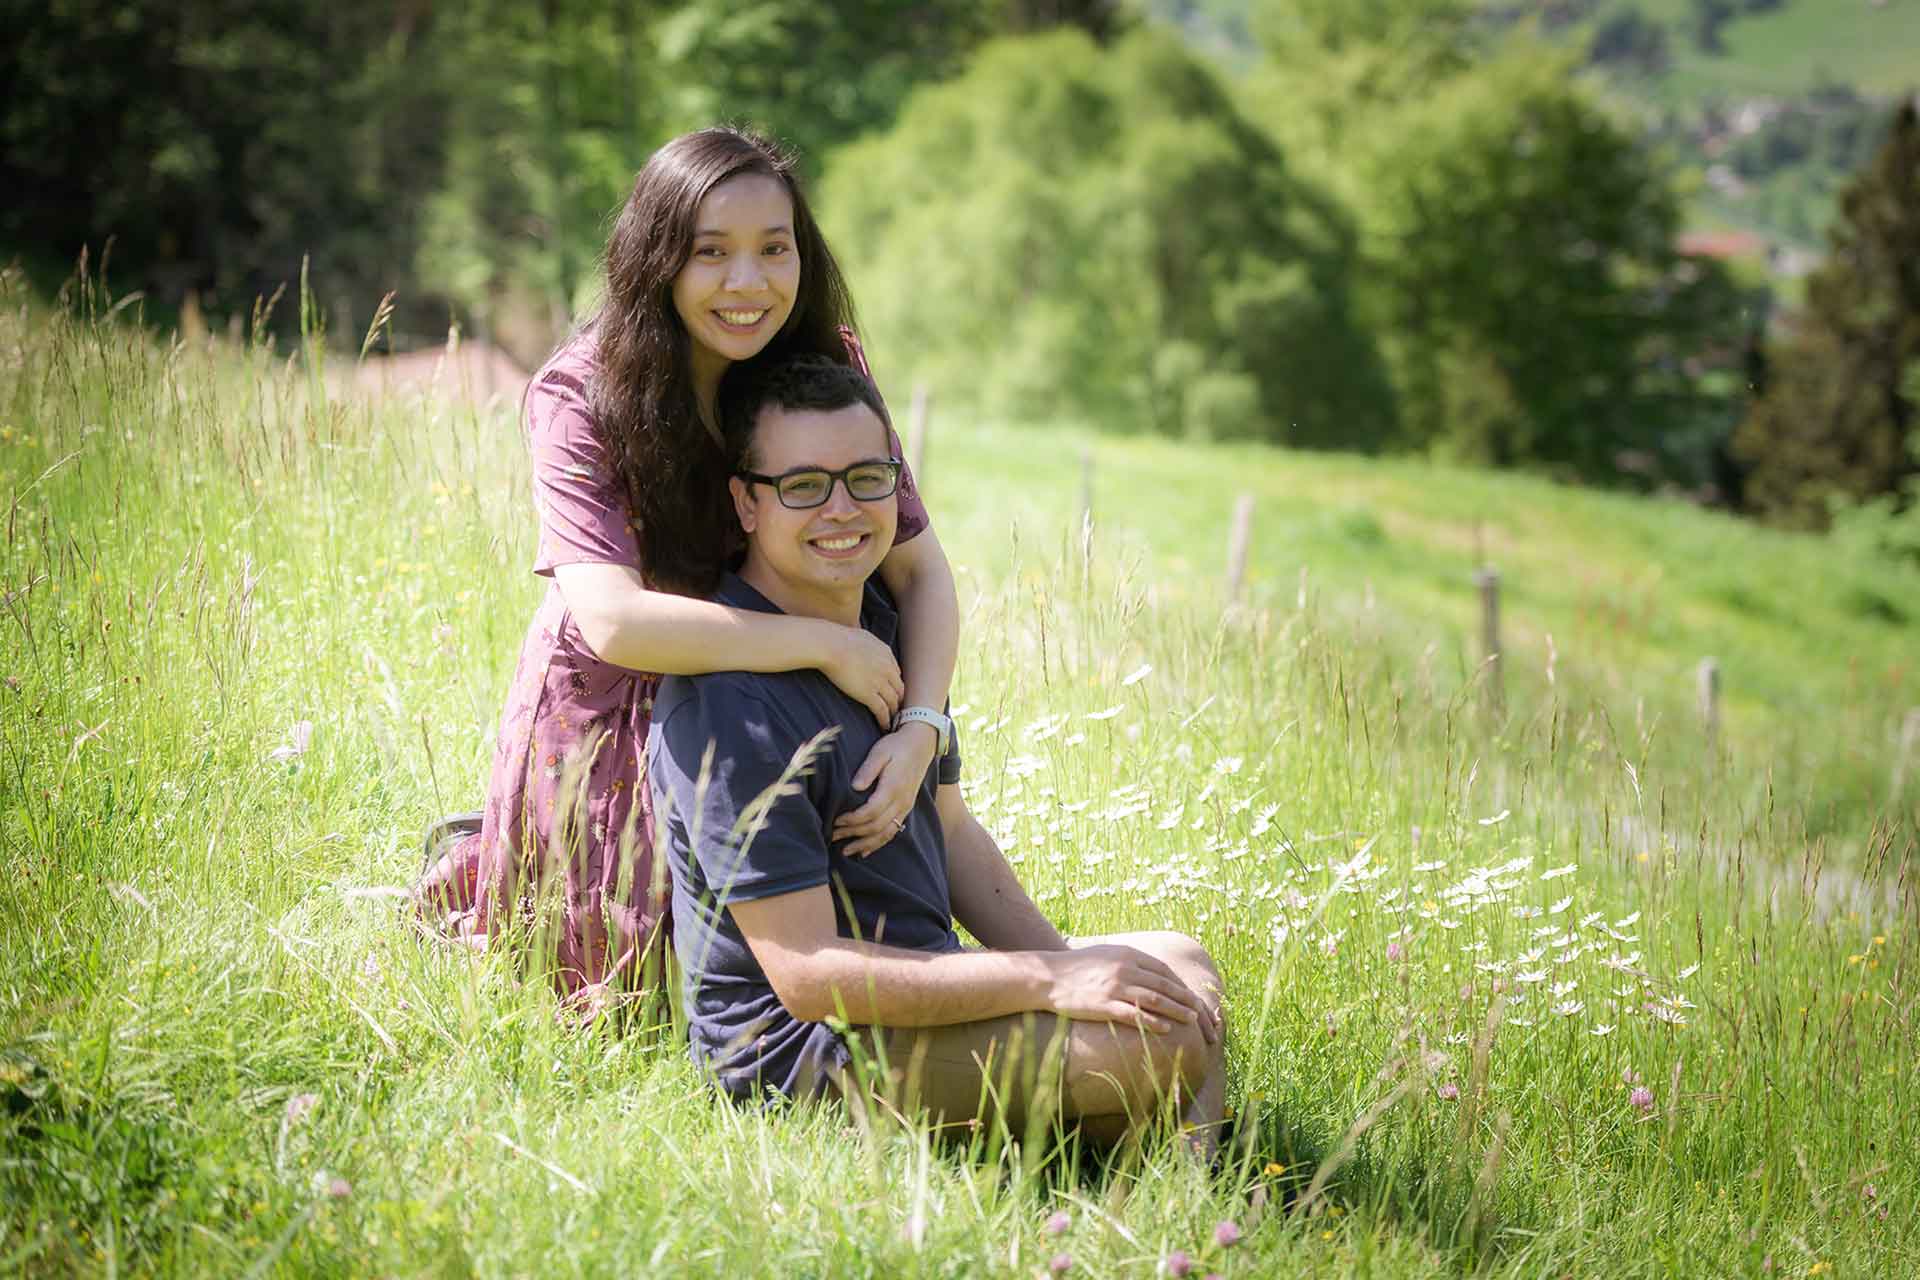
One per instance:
[(895, 768), (865, 670)]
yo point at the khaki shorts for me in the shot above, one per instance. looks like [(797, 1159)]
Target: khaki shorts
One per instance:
[(1013, 1068)]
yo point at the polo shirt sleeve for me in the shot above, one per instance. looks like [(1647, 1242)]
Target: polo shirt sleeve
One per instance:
[(752, 825)]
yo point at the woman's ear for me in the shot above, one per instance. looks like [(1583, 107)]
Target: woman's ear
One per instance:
[(742, 502)]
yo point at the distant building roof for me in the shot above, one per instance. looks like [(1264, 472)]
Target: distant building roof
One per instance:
[(1722, 244)]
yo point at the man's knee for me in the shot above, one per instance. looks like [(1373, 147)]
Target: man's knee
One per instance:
[(1117, 1068), (1184, 955), (1186, 952)]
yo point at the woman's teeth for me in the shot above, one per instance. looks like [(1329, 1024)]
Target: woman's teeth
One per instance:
[(744, 319)]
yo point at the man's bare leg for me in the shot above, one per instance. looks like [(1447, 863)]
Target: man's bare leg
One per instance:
[(1197, 1069), (1107, 1077)]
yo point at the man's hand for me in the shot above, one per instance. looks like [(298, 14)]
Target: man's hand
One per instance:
[(895, 768), (1112, 983)]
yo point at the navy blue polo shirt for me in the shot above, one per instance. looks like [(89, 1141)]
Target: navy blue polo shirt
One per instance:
[(731, 832)]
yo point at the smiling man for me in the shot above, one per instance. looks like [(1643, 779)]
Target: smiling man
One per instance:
[(796, 955)]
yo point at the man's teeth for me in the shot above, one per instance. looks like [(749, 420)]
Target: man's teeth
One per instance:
[(742, 317), (847, 543)]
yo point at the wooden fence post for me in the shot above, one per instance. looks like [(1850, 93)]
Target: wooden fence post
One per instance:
[(1909, 741), (1239, 543), (1488, 580), (919, 427), (1086, 490), (1708, 681)]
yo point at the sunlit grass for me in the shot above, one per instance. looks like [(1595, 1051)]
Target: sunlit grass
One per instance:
[(1456, 942)]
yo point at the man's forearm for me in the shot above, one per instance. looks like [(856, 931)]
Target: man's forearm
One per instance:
[(865, 982), (986, 895)]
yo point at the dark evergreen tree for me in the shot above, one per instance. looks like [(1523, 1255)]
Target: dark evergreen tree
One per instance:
[(1839, 405), (218, 142)]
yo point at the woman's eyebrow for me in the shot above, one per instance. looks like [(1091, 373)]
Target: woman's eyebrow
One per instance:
[(781, 229)]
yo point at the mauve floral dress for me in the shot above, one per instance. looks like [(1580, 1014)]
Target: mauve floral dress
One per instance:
[(565, 845)]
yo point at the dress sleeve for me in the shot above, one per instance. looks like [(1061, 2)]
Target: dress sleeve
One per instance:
[(913, 513), (584, 514)]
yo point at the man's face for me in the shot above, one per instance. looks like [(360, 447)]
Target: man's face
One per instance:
[(836, 546)]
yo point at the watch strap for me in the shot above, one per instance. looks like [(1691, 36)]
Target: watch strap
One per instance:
[(942, 725)]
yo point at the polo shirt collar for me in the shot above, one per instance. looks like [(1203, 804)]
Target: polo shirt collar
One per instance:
[(877, 614)]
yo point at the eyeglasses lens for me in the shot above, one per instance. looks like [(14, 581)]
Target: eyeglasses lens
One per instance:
[(805, 489)]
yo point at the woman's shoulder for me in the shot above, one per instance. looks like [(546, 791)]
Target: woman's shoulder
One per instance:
[(570, 369), (558, 402)]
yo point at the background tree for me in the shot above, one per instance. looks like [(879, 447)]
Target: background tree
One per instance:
[(1840, 403), (559, 102), (1518, 242), (1092, 232), (816, 75), (1630, 41), (187, 130)]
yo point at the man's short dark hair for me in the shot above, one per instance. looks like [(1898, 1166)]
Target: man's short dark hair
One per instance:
[(792, 383)]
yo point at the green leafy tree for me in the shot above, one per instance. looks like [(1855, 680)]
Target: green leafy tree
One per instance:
[(220, 142), (1630, 41), (1706, 18), (810, 74), (1529, 245), (1071, 229), (1518, 242), (558, 106), (1840, 405)]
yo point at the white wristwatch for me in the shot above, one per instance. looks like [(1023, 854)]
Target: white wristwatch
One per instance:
[(942, 726)]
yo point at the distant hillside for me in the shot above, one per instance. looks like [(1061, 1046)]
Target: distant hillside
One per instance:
[(1784, 48), (1775, 103), (1772, 103)]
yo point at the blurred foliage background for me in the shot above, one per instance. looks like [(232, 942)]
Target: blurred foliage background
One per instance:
[(1665, 245)]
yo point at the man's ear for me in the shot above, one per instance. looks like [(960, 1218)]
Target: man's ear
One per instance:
[(742, 502)]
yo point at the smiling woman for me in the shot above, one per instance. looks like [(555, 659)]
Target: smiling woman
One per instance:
[(714, 260), (739, 285)]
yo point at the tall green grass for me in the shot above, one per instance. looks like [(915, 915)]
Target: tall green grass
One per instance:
[(222, 1051)]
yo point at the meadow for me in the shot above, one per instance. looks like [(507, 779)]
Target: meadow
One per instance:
[(1791, 48), (1553, 985)]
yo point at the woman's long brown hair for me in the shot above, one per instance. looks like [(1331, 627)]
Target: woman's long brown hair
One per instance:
[(643, 396)]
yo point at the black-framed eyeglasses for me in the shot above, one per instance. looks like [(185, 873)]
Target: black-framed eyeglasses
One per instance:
[(811, 486)]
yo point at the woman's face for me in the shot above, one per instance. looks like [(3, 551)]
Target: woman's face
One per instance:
[(740, 279)]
